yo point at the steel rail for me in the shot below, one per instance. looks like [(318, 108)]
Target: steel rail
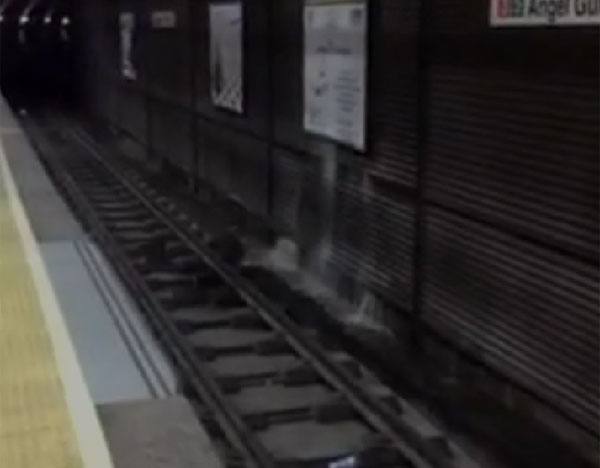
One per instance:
[(193, 370), (403, 437)]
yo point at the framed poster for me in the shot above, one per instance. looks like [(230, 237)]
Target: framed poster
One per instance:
[(226, 55), (335, 69), (163, 19), (544, 13), (126, 33)]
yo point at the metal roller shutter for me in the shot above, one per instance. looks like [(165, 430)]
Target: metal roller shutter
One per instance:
[(394, 94), (519, 153), (511, 252), (374, 217), (529, 312), (373, 239)]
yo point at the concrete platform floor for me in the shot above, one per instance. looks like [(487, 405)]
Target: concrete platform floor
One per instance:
[(117, 352), (128, 377), (157, 434)]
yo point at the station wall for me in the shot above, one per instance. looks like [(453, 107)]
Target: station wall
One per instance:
[(473, 214)]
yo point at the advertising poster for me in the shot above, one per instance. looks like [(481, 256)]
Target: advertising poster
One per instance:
[(335, 70), (544, 12), (163, 19), (226, 45), (127, 31)]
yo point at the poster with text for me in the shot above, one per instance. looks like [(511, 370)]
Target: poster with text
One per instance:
[(335, 70), (226, 44), (163, 19), (127, 31)]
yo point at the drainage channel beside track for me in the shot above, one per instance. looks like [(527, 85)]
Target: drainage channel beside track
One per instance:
[(271, 393)]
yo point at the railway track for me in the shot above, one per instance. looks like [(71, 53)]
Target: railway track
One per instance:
[(271, 392)]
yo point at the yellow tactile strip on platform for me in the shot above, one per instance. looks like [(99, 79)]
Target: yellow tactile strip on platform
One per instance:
[(47, 418), (35, 426)]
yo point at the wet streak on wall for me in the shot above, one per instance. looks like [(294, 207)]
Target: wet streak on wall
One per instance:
[(339, 181), (233, 150)]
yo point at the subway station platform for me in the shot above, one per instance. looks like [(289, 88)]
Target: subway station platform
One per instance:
[(82, 381), (46, 412)]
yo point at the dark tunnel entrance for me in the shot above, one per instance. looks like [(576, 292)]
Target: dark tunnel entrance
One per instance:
[(38, 53)]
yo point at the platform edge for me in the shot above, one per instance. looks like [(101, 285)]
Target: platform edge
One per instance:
[(92, 444)]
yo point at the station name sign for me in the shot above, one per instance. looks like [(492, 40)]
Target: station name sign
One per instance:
[(544, 13)]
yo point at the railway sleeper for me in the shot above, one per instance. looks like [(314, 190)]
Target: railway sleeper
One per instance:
[(126, 225), (152, 250), (210, 353), (300, 375), (192, 263), (92, 182), (175, 248), (157, 280), (161, 234), (239, 320), (325, 413), (134, 215), (373, 457), (174, 298), (122, 207), (102, 193), (185, 265), (264, 348)]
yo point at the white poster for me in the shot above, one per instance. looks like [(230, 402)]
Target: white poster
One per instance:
[(226, 72), (127, 31), (335, 70), (544, 12), (163, 19)]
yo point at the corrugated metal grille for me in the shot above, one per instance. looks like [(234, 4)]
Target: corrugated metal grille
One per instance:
[(373, 238), (390, 247), (511, 264), (373, 231), (529, 312), (524, 154), (394, 92), (348, 236)]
